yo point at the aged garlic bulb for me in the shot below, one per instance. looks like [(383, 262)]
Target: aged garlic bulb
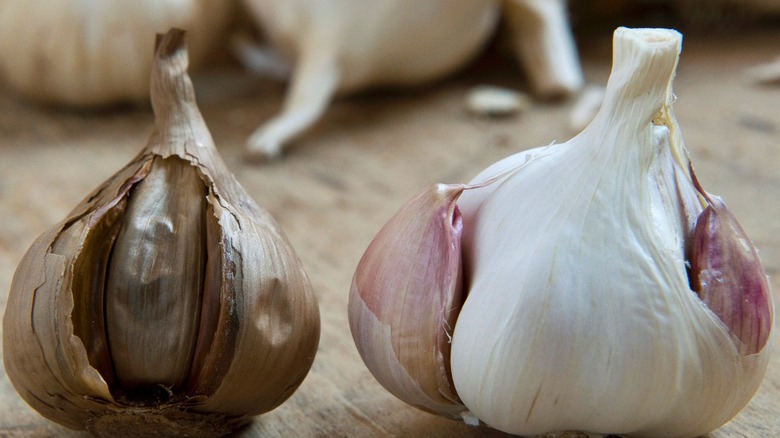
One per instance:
[(603, 289), (93, 52), (167, 303), (341, 46)]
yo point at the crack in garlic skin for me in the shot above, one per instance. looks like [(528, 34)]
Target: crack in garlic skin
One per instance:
[(579, 314)]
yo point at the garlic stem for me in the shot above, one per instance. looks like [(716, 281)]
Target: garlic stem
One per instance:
[(545, 46), (177, 120), (727, 274), (314, 83)]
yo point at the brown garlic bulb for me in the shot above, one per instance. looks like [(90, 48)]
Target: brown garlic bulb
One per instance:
[(167, 303)]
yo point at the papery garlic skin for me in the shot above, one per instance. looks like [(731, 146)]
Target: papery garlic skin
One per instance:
[(234, 328), (341, 46), (579, 313), (88, 53)]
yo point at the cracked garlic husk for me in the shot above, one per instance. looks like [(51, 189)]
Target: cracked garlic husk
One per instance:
[(167, 303), (603, 289)]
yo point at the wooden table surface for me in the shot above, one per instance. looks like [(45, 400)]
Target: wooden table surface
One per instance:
[(345, 178)]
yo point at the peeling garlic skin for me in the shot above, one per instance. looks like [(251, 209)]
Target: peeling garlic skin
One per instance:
[(93, 52), (342, 46), (579, 314)]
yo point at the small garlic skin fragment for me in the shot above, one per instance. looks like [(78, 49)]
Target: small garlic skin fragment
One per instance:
[(405, 297), (580, 313), (167, 303), (729, 277), (343, 46), (92, 53), (493, 101)]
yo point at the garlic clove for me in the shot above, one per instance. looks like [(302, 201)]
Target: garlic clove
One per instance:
[(405, 297), (728, 275), (154, 266), (167, 302)]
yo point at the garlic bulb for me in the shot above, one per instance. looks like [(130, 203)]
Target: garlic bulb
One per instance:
[(340, 46), (604, 290), (93, 52), (167, 303)]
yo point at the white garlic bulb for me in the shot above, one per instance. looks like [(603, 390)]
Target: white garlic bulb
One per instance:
[(604, 290), (340, 46), (93, 52)]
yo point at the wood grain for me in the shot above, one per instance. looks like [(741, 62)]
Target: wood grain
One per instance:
[(345, 178)]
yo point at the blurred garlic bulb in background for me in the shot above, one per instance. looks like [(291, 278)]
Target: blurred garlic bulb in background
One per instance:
[(94, 52), (341, 46)]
